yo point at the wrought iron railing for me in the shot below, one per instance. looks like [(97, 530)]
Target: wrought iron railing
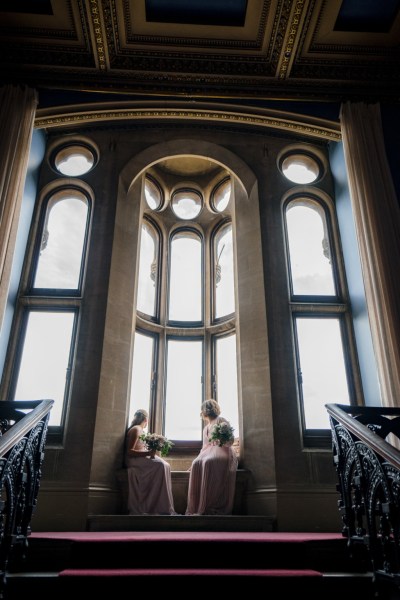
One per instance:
[(23, 430), (366, 456)]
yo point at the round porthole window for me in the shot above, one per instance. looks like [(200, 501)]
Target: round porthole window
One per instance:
[(74, 160), (186, 204), (301, 168)]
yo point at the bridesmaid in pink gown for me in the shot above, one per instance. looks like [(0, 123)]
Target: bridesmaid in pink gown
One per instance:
[(213, 473), (149, 476)]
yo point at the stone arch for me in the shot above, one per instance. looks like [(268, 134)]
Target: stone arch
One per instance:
[(255, 410)]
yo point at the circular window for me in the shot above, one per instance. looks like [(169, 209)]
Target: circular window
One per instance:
[(301, 168), (153, 194), (74, 160), (186, 204), (221, 195)]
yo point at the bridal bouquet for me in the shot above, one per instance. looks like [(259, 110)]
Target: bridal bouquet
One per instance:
[(222, 433), (157, 442)]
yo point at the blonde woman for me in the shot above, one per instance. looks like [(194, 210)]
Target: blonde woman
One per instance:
[(212, 478)]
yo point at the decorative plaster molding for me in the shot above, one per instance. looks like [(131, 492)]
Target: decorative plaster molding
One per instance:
[(299, 124)]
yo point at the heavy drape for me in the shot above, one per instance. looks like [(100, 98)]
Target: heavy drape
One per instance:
[(377, 220), (17, 113)]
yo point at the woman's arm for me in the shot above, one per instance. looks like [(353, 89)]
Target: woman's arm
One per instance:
[(133, 437)]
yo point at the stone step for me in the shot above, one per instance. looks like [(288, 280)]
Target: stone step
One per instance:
[(180, 523)]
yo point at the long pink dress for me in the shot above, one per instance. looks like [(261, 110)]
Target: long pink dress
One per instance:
[(212, 478), (149, 485)]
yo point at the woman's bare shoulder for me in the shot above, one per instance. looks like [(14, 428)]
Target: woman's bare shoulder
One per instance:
[(134, 430)]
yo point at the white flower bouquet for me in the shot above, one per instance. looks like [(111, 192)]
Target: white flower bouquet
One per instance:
[(157, 442)]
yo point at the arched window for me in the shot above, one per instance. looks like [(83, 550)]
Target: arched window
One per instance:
[(148, 269), (49, 306), (185, 342), (319, 310), (59, 263), (224, 282), (185, 278)]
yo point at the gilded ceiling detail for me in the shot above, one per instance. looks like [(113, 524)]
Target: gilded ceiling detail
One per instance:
[(289, 49)]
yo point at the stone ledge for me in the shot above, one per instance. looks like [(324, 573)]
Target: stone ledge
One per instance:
[(180, 483), (180, 523)]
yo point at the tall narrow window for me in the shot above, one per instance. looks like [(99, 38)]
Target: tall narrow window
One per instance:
[(45, 363), (184, 391), (224, 279), (319, 312), (226, 378), (142, 378), (48, 308), (62, 242), (185, 291), (148, 270), (323, 372), (185, 344), (309, 246)]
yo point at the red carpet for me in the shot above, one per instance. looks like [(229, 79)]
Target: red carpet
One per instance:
[(169, 562)]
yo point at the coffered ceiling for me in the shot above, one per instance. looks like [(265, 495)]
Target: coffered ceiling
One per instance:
[(290, 49)]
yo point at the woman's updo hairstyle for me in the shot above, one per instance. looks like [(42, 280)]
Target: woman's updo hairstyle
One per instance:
[(210, 408), (140, 416)]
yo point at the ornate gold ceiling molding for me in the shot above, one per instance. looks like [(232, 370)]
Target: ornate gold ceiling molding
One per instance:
[(98, 35), (291, 35), (271, 119)]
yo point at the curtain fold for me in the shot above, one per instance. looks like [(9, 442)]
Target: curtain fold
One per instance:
[(377, 220), (17, 113)]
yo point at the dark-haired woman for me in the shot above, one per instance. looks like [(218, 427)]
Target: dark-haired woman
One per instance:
[(149, 476)]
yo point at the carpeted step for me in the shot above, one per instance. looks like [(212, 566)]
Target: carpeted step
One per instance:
[(313, 565), (225, 550), (274, 583)]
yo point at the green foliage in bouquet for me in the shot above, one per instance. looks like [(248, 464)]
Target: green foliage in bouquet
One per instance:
[(157, 442), (222, 433)]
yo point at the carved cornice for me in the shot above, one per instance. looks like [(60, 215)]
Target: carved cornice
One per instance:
[(290, 39), (301, 125), (288, 51), (98, 34)]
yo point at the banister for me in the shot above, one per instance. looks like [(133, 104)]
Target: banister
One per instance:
[(368, 469), (27, 422), (382, 447), (22, 442)]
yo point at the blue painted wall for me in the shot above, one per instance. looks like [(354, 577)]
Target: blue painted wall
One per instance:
[(37, 151)]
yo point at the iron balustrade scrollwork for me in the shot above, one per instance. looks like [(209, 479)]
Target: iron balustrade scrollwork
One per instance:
[(365, 442), (23, 430)]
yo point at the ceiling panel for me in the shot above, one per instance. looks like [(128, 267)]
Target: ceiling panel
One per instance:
[(292, 49)]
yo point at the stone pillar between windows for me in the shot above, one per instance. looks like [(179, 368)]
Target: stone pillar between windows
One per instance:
[(377, 220)]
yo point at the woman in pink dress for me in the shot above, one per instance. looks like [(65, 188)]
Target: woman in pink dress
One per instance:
[(212, 478), (149, 476)]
